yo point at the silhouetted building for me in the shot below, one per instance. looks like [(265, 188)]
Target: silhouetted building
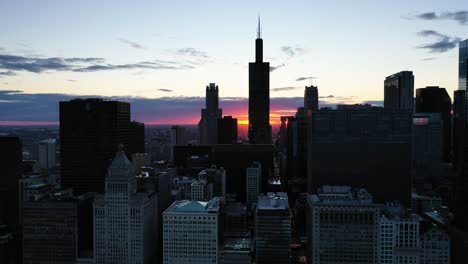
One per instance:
[(433, 99), (399, 91), (311, 98), (125, 221), (191, 232), (227, 130), (191, 160), (259, 96), (353, 106), (90, 130), (236, 158), (273, 229), (208, 125), (236, 250), (50, 229), (137, 138), (10, 164), (341, 141), (178, 137), (459, 126), (343, 226)]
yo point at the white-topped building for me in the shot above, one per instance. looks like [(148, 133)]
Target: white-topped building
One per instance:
[(191, 232), (125, 221)]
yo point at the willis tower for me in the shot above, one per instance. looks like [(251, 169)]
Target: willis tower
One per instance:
[(259, 96)]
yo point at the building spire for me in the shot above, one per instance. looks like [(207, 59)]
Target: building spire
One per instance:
[(259, 28)]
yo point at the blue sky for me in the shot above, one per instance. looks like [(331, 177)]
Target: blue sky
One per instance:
[(175, 48)]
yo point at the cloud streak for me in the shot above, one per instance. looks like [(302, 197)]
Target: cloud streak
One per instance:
[(281, 89), (292, 51), (192, 52), (274, 68), (14, 63), (165, 90), (442, 44), (132, 44), (305, 78), (459, 16)]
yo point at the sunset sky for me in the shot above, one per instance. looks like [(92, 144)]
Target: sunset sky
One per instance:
[(161, 55)]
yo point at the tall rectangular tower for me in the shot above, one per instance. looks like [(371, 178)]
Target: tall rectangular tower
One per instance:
[(399, 91), (90, 131), (208, 125), (259, 96), (462, 65)]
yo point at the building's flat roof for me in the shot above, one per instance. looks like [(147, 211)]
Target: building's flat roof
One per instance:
[(273, 201)]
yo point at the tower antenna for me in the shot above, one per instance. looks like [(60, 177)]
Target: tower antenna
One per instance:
[(259, 29)]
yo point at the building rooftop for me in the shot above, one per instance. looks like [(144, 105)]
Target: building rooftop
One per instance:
[(341, 195), (273, 201), (186, 206), (238, 243)]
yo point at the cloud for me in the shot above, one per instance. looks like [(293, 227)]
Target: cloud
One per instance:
[(292, 51), (131, 43), (443, 43), (165, 90), (428, 59), (39, 65), (459, 16), (7, 73), (305, 78), (72, 80), (274, 68), (280, 89), (191, 52), (327, 96)]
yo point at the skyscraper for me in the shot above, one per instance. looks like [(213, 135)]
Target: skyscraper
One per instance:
[(259, 96), (253, 176), (90, 131), (46, 153), (273, 229), (342, 226), (208, 125), (125, 221), (227, 130), (463, 65), (399, 91), (178, 137), (191, 232), (341, 141), (10, 160), (311, 98), (433, 99)]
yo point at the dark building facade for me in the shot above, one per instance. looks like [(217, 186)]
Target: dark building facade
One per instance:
[(311, 98), (399, 91), (50, 230), (259, 96), (369, 149), (208, 125), (236, 158), (90, 131), (137, 138), (434, 99), (227, 130), (10, 158)]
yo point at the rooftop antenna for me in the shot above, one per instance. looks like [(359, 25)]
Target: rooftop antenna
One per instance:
[(259, 29)]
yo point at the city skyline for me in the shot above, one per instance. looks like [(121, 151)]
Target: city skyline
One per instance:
[(124, 67)]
